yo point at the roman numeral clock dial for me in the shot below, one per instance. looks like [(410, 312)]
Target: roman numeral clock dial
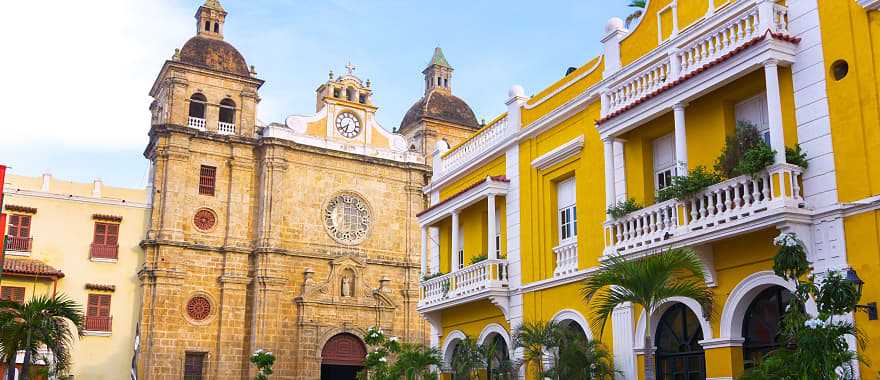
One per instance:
[(348, 125)]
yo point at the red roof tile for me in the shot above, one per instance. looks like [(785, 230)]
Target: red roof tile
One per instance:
[(30, 267)]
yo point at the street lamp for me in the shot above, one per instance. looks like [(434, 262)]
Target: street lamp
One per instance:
[(870, 307)]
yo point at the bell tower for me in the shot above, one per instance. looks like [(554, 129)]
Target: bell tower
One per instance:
[(438, 74), (210, 17)]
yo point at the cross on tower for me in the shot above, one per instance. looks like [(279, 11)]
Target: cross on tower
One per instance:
[(350, 68)]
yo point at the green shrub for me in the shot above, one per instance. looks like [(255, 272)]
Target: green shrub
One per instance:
[(621, 208), (756, 159), (432, 275), (685, 187), (478, 258), (796, 157), (735, 147)]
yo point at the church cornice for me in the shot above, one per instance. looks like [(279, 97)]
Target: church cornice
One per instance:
[(277, 142), (170, 64), (159, 130)]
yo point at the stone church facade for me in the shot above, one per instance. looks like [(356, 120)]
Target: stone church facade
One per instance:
[(292, 237)]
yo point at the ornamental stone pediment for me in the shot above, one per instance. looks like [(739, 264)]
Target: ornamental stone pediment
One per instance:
[(345, 285)]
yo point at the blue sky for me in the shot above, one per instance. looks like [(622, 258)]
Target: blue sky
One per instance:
[(79, 104)]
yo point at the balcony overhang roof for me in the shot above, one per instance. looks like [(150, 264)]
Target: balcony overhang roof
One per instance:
[(497, 185)]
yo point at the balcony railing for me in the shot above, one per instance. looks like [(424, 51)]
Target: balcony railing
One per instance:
[(225, 128), (18, 244), (718, 209), (471, 280), (101, 324), (104, 251), (729, 29), (566, 257), (197, 123), (484, 140)]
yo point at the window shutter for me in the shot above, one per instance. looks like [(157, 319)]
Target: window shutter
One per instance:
[(664, 153), (12, 293), (207, 180), (100, 233), (92, 308), (13, 225), (98, 305), (565, 193), (112, 234)]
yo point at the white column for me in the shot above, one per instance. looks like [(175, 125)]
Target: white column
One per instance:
[(490, 204), (424, 261), (622, 329), (681, 150), (610, 197), (455, 242), (774, 110)]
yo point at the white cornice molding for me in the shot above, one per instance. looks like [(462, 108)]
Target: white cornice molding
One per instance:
[(567, 84), (871, 5), (75, 198), (460, 201), (709, 344), (559, 154)]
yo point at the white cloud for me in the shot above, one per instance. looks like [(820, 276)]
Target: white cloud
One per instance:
[(78, 72)]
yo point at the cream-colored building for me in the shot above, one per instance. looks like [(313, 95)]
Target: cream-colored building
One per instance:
[(81, 240)]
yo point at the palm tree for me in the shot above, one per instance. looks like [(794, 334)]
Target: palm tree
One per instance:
[(414, 362), (640, 8), (42, 322), (583, 359), (467, 359), (647, 281), (535, 338)]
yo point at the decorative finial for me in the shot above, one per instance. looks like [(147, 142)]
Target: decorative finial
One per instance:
[(176, 56), (368, 82), (351, 68), (330, 77), (253, 71)]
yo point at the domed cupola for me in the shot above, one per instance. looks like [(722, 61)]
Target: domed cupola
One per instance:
[(207, 49), (439, 103)]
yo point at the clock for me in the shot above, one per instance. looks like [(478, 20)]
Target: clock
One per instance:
[(348, 125)]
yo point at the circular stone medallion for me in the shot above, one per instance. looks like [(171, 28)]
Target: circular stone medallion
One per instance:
[(205, 219), (198, 308), (347, 218)]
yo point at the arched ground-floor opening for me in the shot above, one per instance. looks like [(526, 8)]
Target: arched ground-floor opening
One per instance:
[(679, 353), (342, 357)]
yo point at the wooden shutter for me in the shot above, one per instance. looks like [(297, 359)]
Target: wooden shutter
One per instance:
[(19, 226), (98, 305), (207, 180), (106, 233), (12, 293)]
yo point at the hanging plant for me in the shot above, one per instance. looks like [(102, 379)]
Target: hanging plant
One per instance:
[(735, 148), (685, 187), (790, 262), (756, 159), (796, 156)]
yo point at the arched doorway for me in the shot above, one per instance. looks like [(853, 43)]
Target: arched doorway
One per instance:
[(679, 353), (499, 365), (761, 323), (342, 357)]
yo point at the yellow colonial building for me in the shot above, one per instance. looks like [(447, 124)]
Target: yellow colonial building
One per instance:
[(81, 240), (518, 211)]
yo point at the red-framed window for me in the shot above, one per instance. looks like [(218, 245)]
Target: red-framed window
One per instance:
[(105, 241), (98, 313), (12, 293), (19, 226), (207, 180), (194, 366)]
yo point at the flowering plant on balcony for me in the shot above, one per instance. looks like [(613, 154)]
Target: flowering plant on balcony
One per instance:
[(264, 361), (622, 208), (796, 156), (432, 276)]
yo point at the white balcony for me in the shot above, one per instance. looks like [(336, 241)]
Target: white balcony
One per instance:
[(485, 140), (736, 206), (484, 280), (225, 128), (197, 123), (714, 51), (566, 258)]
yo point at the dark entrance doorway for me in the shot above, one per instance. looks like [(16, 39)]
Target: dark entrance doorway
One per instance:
[(679, 353), (342, 357)]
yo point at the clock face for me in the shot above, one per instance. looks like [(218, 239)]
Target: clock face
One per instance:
[(348, 125)]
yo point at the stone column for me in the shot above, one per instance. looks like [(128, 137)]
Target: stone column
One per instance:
[(272, 172), (231, 325), (493, 249), (239, 207), (774, 110), (681, 155), (455, 242)]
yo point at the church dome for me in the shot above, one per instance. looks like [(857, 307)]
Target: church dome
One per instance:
[(214, 54), (442, 106)]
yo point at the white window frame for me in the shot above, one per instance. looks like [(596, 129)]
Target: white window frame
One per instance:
[(460, 252), (497, 234), (566, 205), (754, 110), (663, 170)]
